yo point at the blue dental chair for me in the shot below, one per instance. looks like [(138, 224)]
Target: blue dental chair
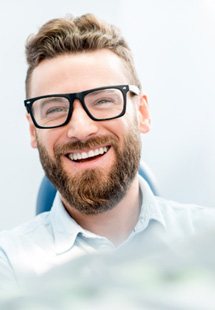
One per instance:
[(47, 190)]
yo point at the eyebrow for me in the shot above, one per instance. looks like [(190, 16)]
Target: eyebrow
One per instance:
[(47, 100)]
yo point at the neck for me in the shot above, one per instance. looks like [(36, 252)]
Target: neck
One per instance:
[(115, 224)]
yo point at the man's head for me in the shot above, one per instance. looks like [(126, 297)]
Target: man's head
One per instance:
[(92, 161)]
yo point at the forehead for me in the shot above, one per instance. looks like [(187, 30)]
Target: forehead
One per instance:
[(78, 72)]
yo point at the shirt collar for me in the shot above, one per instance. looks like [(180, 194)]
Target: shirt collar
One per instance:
[(150, 209), (66, 229)]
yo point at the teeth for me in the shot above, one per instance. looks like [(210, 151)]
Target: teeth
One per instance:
[(91, 153)]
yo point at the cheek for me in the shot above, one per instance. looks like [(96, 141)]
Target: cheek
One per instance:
[(130, 121), (120, 128), (47, 140), (131, 113)]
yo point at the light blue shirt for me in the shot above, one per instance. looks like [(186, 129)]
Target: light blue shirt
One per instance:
[(53, 238)]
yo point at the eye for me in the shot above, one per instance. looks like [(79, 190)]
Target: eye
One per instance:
[(51, 107), (56, 110), (102, 101)]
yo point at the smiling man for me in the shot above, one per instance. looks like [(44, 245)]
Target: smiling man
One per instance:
[(86, 112), (87, 158)]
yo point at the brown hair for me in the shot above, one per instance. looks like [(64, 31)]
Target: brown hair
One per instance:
[(72, 35)]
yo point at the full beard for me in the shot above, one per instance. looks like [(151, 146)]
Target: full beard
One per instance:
[(94, 190)]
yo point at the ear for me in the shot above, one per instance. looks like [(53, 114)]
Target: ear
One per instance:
[(144, 120), (32, 130)]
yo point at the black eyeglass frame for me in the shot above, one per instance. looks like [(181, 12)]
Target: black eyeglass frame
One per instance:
[(80, 96)]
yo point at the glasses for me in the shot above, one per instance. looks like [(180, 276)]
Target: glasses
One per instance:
[(100, 104)]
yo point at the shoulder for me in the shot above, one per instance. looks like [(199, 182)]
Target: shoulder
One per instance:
[(25, 246), (39, 225), (188, 217), (178, 207)]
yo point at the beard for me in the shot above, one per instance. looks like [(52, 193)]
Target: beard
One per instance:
[(96, 190)]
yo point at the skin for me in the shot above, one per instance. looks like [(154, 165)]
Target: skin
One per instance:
[(77, 72)]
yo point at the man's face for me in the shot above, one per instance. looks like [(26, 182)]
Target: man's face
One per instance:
[(109, 150)]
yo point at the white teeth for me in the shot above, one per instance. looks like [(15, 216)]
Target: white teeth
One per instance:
[(96, 152), (91, 153), (78, 156), (83, 156)]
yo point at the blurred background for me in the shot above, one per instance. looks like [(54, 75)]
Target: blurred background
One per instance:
[(173, 43)]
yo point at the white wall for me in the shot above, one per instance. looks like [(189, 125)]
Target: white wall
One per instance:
[(173, 45)]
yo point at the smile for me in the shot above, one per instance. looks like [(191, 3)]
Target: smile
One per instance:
[(89, 154)]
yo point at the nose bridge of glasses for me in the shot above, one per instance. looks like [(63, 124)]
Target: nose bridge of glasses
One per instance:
[(77, 102), (81, 124), (76, 96)]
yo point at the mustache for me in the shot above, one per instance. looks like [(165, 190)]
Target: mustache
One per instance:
[(80, 145)]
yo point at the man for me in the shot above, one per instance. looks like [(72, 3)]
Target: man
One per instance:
[(86, 111)]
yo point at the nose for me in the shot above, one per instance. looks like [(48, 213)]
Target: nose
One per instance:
[(81, 126)]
